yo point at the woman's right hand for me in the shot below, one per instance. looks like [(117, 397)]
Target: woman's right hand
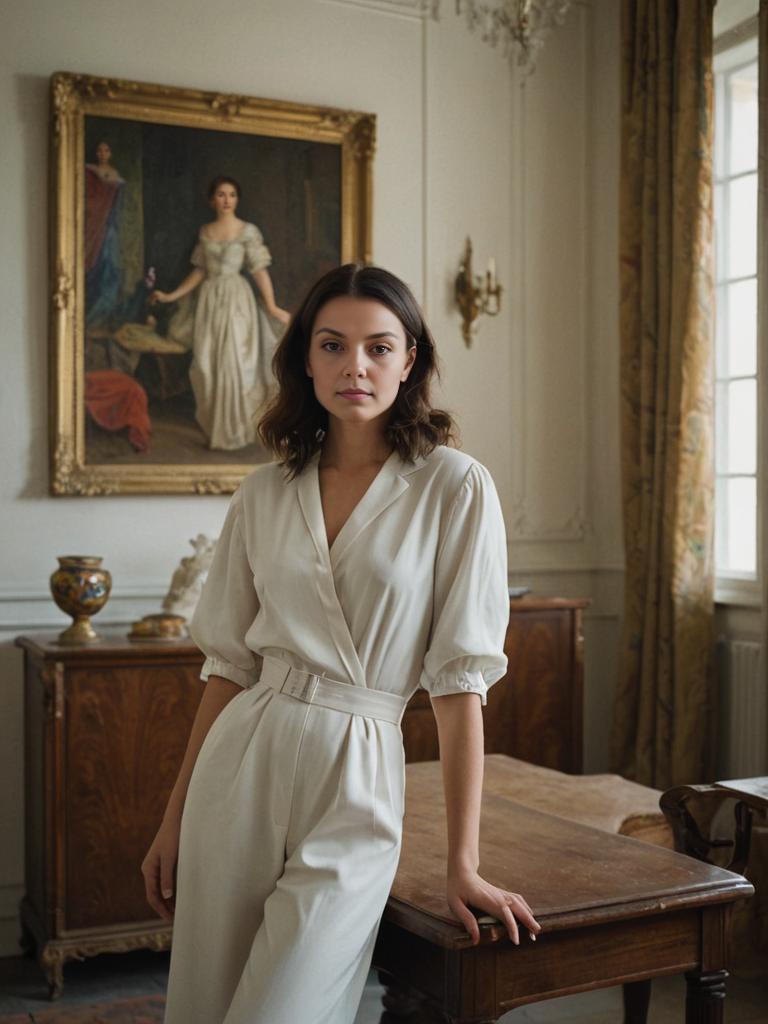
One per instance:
[(159, 869), (158, 296)]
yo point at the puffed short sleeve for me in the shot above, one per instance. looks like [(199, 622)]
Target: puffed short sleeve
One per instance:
[(227, 606), (197, 259), (471, 595), (257, 255)]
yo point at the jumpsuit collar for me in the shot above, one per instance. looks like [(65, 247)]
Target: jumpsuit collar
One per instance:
[(389, 483), (387, 486)]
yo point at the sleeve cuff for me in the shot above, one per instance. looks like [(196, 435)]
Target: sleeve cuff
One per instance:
[(260, 260), (244, 677), (459, 682)]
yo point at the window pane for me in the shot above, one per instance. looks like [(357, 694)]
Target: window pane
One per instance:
[(721, 331), (741, 454), (741, 345), (736, 535), (743, 110), (720, 264), (721, 427), (736, 131), (719, 140), (742, 226)]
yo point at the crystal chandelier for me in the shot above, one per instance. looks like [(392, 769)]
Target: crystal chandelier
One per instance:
[(520, 26)]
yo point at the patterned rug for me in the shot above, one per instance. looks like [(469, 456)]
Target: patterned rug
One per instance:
[(145, 1010)]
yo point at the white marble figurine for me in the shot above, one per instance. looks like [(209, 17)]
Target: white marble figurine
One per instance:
[(188, 578)]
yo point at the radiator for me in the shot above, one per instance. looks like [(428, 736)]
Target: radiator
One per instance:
[(744, 702)]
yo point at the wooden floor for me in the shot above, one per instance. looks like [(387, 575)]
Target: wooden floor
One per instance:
[(112, 977)]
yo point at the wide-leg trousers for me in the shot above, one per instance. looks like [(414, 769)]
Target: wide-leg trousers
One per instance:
[(290, 839)]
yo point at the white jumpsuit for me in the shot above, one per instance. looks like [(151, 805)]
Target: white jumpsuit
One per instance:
[(291, 829)]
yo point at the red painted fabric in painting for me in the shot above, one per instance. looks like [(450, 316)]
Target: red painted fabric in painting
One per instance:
[(100, 196), (116, 400)]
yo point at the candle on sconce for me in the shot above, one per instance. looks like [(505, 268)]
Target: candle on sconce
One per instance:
[(475, 295)]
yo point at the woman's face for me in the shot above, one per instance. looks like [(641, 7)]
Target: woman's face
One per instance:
[(224, 199), (103, 153), (357, 358)]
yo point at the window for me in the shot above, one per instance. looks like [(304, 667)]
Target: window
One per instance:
[(736, 377)]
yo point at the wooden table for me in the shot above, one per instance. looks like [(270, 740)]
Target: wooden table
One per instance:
[(613, 911)]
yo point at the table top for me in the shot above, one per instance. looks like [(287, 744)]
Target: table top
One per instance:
[(572, 875)]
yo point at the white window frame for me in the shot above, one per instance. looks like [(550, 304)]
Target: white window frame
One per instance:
[(732, 50)]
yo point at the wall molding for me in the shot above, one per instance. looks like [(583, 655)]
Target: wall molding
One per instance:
[(138, 589), (569, 570), (574, 527), (526, 525), (23, 608), (413, 10), (603, 586)]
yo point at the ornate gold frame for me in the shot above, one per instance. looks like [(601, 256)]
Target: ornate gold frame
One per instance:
[(74, 96)]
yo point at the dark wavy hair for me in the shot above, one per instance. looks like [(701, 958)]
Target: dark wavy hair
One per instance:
[(291, 427), (223, 179)]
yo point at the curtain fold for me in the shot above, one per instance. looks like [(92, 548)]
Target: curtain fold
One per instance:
[(664, 711)]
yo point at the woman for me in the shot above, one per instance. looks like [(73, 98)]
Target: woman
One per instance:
[(233, 340), (103, 193), (369, 560)]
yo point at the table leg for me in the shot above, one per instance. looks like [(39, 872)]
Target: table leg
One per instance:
[(403, 1003), (705, 999), (637, 998)]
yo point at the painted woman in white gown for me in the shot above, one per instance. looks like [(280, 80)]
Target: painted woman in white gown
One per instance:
[(233, 338)]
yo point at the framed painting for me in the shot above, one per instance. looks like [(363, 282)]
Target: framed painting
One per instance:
[(186, 226)]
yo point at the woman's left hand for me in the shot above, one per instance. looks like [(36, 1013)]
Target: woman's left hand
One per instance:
[(467, 888)]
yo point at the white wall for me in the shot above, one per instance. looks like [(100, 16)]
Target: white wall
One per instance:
[(531, 174)]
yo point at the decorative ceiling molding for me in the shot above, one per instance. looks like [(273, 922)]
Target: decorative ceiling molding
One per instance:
[(415, 10)]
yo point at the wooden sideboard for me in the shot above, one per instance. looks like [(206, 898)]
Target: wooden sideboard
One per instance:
[(105, 731)]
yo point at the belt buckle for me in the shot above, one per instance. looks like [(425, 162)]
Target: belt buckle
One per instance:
[(306, 689)]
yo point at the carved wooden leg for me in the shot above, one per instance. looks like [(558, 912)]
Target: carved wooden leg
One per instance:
[(52, 962), (637, 997), (705, 999)]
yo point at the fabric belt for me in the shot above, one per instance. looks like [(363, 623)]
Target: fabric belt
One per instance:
[(330, 693)]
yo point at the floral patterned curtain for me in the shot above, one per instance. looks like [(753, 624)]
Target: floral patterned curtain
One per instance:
[(663, 719)]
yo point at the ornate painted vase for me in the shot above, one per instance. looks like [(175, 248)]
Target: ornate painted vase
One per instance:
[(80, 587)]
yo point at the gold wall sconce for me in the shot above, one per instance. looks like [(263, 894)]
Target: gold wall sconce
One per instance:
[(475, 294)]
